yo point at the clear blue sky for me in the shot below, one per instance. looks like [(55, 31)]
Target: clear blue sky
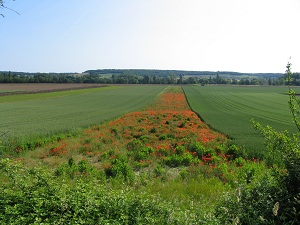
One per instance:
[(214, 35)]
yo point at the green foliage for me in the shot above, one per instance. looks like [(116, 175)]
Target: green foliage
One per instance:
[(239, 161), (153, 130), (32, 143), (143, 153), (249, 171), (200, 150), (163, 152), (72, 170), (159, 171), (162, 137), (135, 145), (250, 204), (180, 150), (233, 151), (263, 201), (33, 196), (119, 168), (180, 160), (276, 142)]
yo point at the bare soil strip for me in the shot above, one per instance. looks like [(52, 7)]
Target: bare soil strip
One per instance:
[(32, 88)]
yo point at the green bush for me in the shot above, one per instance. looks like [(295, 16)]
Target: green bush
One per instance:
[(233, 152), (120, 168), (249, 171), (142, 153), (180, 160), (251, 204), (71, 169), (200, 150), (239, 161), (180, 150), (159, 171), (134, 145), (34, 196), (162, 137)]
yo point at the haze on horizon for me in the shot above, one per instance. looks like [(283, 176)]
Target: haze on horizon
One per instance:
[(257, 36)]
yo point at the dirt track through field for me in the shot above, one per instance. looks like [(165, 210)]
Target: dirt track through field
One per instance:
[(9, 89)]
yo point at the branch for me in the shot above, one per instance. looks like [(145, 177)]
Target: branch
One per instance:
[(4, 7)]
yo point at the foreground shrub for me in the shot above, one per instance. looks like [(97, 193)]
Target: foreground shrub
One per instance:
[(200, 150), (180, 160), (265, 201), (71, 170), (34, 196), (119, 168)]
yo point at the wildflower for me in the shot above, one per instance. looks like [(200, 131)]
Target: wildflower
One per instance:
[(238, 194), (236, 221), (261, 218), (275, 208)]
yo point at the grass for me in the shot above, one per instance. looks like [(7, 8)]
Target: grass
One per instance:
[(229, 109), (29, 115)]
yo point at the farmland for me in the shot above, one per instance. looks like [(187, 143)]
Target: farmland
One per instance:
[(28, 115), (229, 110), (160, 148), (141, 156)]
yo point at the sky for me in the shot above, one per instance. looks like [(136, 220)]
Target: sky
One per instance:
[(249, 36)]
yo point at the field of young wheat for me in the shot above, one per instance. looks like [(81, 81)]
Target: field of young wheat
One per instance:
[(33, 115), (229, 109)]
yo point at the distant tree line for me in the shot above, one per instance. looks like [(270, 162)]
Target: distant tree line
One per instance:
[(111, 76), (143, 72), (20, 77)]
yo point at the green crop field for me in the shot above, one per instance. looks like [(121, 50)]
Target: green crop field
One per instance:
[(30, 115), (229, 110)]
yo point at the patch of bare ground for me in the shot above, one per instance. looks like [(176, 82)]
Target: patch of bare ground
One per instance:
[(14, 88)]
